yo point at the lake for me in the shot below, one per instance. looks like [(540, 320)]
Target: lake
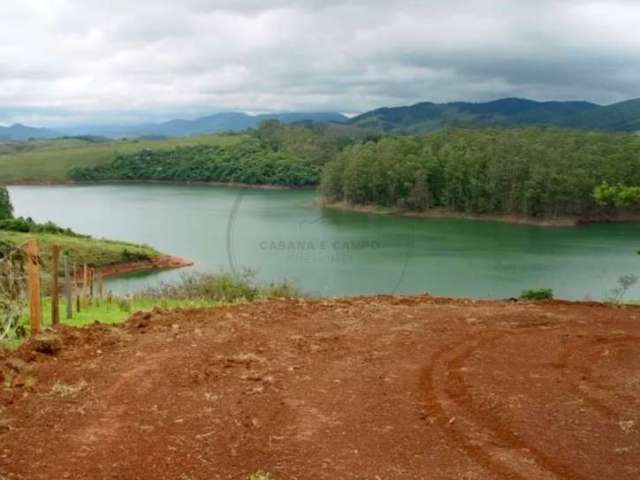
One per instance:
[(279, 234)]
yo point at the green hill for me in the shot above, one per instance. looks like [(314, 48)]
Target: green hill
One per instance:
[(507, 112), (51, 160), (620, 117)]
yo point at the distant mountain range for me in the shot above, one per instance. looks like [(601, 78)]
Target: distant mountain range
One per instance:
[(18, 132), (422, 117), (219, 122), (507, 112)]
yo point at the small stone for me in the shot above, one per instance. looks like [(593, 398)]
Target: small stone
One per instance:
[(626, 426)]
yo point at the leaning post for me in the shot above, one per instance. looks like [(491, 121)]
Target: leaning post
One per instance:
[(33, 279), (55, 287)]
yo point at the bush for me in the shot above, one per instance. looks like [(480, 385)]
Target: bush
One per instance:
[(539, 294), (27, 225), (221, 287), (130, 256), (624, 283), (16, 225)]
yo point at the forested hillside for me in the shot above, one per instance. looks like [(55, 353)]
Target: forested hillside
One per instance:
[(532, 172), (49, 161), (275, 154)]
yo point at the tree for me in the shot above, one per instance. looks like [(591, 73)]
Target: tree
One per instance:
[(420, 197), (617, 196), (6, 209), (542, 173)]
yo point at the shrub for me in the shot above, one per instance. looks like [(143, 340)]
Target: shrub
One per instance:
[(27, 225), (222, 287), (6, 209), (130, 256), (624, 283), (539, 294)]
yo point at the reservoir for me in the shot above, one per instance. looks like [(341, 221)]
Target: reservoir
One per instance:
[(280, 234)]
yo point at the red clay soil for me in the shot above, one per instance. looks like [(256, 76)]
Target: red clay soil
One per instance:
[(154, 263), (368, 388)]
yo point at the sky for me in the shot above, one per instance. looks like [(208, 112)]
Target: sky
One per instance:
[(71, 62)]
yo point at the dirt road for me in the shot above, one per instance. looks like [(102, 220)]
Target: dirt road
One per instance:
[(373, 388)]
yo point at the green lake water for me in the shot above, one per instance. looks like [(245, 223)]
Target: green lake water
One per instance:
[(281, 235)]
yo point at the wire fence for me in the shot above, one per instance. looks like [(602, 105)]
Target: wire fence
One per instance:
[(25, 277), (13, 289)]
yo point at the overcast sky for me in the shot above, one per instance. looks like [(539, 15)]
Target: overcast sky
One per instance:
[(73, 61)]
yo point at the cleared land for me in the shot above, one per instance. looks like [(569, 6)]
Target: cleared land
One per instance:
[(376, 388), (49, 161)]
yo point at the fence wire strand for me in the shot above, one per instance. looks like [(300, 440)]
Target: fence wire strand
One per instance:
[(13, 290)]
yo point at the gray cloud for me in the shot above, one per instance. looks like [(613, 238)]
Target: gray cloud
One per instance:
[(69, 61)]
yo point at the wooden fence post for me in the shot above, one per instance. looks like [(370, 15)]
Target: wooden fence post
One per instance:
[(68, 288), (55, 287), (76, 287), (85, 282), (100, 285), (33, 276)]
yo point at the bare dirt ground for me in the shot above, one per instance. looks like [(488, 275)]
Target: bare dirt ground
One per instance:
[(370, 388)]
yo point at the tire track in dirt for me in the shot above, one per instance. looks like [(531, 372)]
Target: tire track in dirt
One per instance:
[(482, 435), (570, 352), (446, 412), (333, 389), (101, 432)]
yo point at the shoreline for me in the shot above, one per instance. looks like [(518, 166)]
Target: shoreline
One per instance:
[(512, 219), (247, 186), (436, 213), (162, 262)]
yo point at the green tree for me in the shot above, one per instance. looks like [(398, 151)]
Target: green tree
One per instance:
[(617, 196), (6, 209), (542, 173)]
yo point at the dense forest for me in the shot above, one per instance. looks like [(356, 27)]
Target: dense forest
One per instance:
[(274, 154), (533, 172)]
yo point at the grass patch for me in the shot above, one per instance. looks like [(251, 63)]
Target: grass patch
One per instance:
[(537, 295), (118, 310), (198, 290), (81, 250), (51, 160), (261, 476), (220, 287)]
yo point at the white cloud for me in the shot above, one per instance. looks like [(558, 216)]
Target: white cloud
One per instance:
[(67, 61)]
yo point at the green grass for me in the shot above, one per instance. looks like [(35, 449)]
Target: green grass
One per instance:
[(118, 310), (93, 252), (198, 290), (50, 160)]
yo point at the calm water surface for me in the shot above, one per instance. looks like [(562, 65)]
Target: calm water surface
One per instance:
[(280, 234)]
